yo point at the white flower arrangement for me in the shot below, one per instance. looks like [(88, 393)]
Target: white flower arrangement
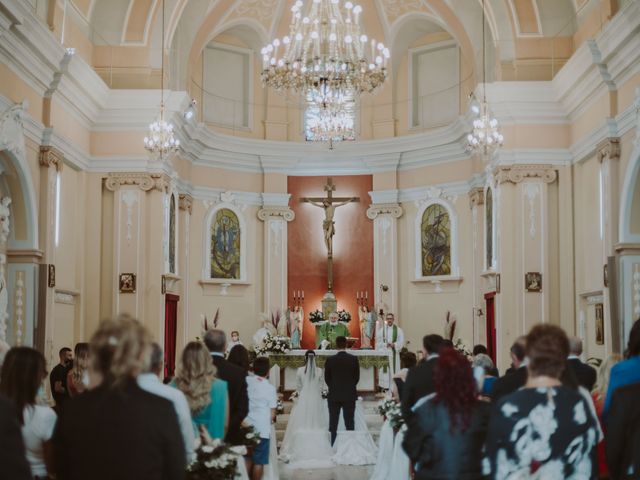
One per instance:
[(214, 460), (274, 344)]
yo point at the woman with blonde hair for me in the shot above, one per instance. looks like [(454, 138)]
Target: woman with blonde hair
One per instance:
[(78, 376), (599, 394), (206, 395), (117, 430)]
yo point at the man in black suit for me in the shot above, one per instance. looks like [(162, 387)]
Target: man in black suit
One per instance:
[(216, 342), (12, 455), (341, 374), (419, 382), (585, 374), (623, 433), (517, 376)]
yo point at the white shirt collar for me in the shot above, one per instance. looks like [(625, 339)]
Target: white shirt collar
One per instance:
[(433, 355), (148, 378), (217, 354), (572, 356)]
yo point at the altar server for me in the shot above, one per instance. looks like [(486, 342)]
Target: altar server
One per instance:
[(389, 338)]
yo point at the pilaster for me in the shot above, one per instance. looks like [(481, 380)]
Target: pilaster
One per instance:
[(185, 205), (275, 216), (476, 203), (385, 253)]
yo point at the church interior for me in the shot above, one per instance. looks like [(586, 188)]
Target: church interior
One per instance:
[(159, 158)]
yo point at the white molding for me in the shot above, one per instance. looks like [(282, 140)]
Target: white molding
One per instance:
[(516, 21)]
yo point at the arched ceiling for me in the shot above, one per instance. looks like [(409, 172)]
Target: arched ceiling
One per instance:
[(191, 24)]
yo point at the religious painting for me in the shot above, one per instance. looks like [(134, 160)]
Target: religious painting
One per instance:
[(533, 282), (436, 241), (127, 283), (172, 234), (599, 324), (225, 245), (489, 228), (51, 276)]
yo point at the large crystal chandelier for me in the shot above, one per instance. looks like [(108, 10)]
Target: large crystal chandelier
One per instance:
[(332, 124), (485, 136), (161, 139), (326, 50)]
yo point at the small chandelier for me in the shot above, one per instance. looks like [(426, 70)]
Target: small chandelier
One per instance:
[(161, 139), (326, 49), (485, 136), (332, 125)]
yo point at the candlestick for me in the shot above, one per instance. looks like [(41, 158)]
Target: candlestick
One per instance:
[(366, 295)]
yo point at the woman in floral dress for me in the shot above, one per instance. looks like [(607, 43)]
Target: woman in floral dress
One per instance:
[(544, 430)]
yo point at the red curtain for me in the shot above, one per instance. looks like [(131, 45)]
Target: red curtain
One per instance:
[(170, 329)]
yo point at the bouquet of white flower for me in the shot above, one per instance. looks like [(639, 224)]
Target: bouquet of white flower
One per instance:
[(460, 346), (214, 461), (316, 316), (250, 437), (274, 344), (385, 405), (394, 415), (344, 316)]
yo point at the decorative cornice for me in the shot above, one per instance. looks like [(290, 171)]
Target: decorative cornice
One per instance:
[(476, 197), (391, 209), (518, 173), (144, 181), (185, 202), (274, 211), (609, 148), (51, 156)]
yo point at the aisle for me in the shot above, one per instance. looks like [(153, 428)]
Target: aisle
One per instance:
[(336, 473)]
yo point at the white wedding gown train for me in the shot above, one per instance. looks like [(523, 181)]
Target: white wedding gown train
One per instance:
[(385, 453)]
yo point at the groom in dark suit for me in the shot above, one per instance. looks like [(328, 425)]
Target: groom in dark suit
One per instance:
[(341, 374)]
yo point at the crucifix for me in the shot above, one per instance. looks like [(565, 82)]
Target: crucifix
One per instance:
[(329, 205)]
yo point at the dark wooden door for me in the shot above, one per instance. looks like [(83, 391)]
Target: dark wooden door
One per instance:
[(170, 330), (491, 325)]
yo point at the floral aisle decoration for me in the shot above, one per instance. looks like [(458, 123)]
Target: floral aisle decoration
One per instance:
[(384, 406), (250, 437), (394, 415), (450, 325), (316, 316), (344, 316), (462, 349), (274, 344), (215, 460)]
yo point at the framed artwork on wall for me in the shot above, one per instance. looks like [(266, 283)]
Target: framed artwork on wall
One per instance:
[(533, 282), (51, 275), (599, 324), (127, 283)]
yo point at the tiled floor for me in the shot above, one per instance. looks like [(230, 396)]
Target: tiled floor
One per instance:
[(336, 473)]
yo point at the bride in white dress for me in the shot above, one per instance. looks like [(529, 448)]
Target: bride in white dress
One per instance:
[(307, 441)]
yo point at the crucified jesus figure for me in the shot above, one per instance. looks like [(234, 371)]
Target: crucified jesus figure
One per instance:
[(329, 205)]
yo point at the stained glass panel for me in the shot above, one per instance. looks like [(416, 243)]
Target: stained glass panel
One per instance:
[(225, 245), (489, 230), (172, 234), (436, 241)]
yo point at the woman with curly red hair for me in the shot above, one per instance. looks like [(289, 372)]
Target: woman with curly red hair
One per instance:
[(447, 431)]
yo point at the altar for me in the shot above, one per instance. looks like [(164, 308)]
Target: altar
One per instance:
[(284, 366)]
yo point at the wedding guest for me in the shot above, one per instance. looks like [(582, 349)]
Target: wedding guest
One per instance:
[(483, 364), (478, 349), (21, 379), (407, 361), (514, 378), (216, 341), (419, 380), (117, 430), (235, 340), (445, 436), (239, 356), (263, 401), (58, 377), (626, 372), (545, 429), (623, 433), (149, 380), (206, 395), (78, 376), (12, 454), (585, 374), (598, 396)]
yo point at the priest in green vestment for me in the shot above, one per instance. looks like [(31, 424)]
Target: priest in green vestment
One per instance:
[(332, 330)]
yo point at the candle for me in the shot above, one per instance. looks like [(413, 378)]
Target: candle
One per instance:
[(303, 294), (366, 295)]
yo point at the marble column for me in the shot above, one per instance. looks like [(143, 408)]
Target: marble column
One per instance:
[(385, 253), (275, 213), (609, 156)]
